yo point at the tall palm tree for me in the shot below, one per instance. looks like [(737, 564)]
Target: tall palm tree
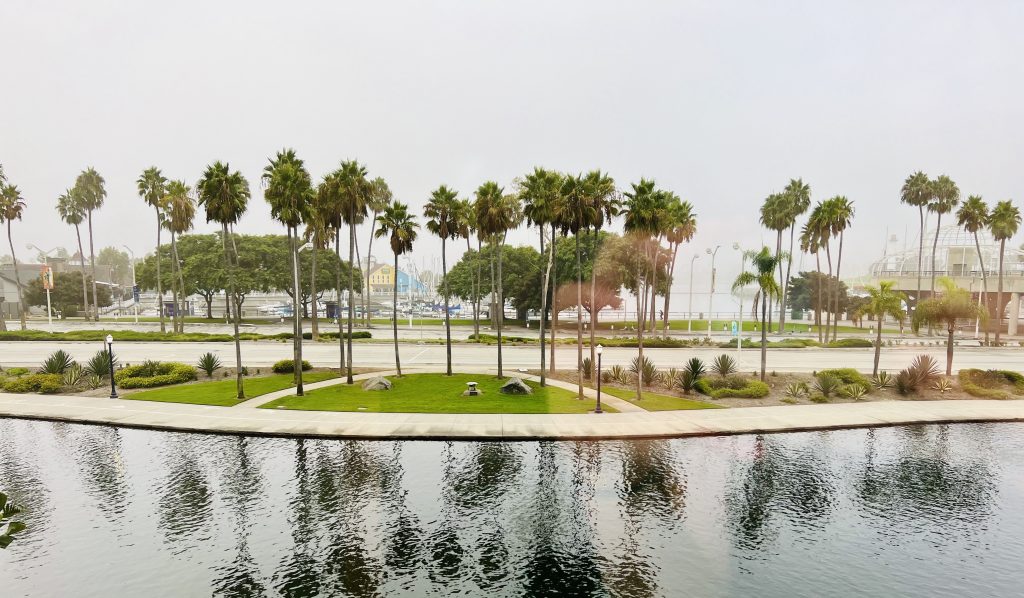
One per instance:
[(945, 197), (798, 196), (225, 194), (683, 225), (288, 190), (467, 222), (884, 300), (330, 205), (839, 212), (775, 216), (378, 197), (973, 216), (605, 201), (496, 214), (12, 205), (181, 213), (1003, 222), (443, 220), (152, 187), (399, 227), (917, 191), (765, 264), (356, 191), (69, 206), (318, 233), (645, 212), (820, 229), (577, 215), (92, 189), (945, 308), (540, 192), (810, 242)]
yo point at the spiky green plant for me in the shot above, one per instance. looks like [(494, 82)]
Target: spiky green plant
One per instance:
[(588, 368), (724, 365), (796, 390), (882, 380), (57, 363), (99, 364), (619, 374), (826, 384), (943, 385), (686, 381), (853, 391), (645, 370), (209, 363), (696, 368), (74, 375)]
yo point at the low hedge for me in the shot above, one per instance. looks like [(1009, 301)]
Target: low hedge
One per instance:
[(334, 335), (849, 376), (851, 343), (150, 375), (991, 384), (732, 387), (287, 366), (41, 383)]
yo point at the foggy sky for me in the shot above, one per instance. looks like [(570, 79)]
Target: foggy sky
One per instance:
[(720, 102)]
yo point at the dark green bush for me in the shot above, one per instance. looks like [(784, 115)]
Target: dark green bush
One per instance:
[(732, 387), (41, 383), (99, 364), (334, 335), (287, 366), (851, 343), (152, 374), (991, 384), (15, 372)]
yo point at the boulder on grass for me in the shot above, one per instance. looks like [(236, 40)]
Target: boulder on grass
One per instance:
[(516, 386), (378, 383)]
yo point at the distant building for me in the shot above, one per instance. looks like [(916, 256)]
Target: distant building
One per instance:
[(382, 281)]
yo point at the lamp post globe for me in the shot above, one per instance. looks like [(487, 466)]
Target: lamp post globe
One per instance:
[(110, 360), (599, 350)]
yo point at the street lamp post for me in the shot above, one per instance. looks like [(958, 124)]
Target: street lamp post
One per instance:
[(689, 310), (110, 358), (711, 295), (598, 349), (135, 298)]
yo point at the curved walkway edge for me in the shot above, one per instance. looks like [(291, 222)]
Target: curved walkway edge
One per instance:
[(424, 426)]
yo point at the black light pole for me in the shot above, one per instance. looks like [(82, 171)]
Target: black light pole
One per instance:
[(598, 349), (110, 358)]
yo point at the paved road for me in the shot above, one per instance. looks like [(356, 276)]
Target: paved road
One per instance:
[(470, 357)]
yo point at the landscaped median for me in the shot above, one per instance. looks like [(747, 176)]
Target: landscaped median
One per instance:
[(222, 393), (437, 393), (653, 401)]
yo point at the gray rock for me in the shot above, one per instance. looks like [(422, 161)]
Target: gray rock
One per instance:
[(516, 386), (377, 383)]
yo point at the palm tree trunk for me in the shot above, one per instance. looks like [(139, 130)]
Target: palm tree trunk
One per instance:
[(654, 286), (235, 312), (984, 281), (337, 311), (778, 254), (92, 265), (949, 349), (554, 296), (640, 292), (543, 310), (817, 306), (369, 252), (764, 334), (831, 291), (920, 255), (447, 315), (293, 234), (935, 247), (159, 281), (394, 317), (479, 285), (501, 304), (878, 343), (839, 264), (579, 318), (999, 294), (672, 270), (594, 309), (85, 283), (314, 327), (176, 267), (17, 278), (785, 282), (351, 290)]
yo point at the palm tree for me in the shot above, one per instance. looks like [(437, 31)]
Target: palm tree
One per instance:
[(775, 216), (92, 190), (12, 205), (645, 211), (765, 264), (181, 213), (917, 192), (810, 242), (496, 214), (798, 196), (839, 212), (442, 212), (605, 202), (945, 197), (319, 230), (356, 192), (329, 205), (952, 304), (541, 194), (378, 197), (1003, 222), (682, 228), (883, 301), (225, 195), (820, 231), (577, 214), (973, 216), (152, 189), (467, 222), (399, 226), (69, 206), (288, 190)]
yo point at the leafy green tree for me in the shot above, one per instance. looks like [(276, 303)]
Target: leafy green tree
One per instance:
[(91, 189), (973, 217), (152, 187), (917, 191), (289, 191), (884, 300), (808, 290), (945, 308), (443, 214), (225, 195), (496, 214), (521, 277), (64, 298), (69, 206), (12, 205), (945, 197), (764, 265), (181, 213), (118, 262), (399, 227), (1003, 222)]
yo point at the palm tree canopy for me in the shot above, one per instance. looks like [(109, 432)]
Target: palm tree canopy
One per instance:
[(152, 186), (1004, 220), (70, 209), (645, 209), (952, 304), (973, 214), (289, 189), (12, 204), (578, 208), (442, 213), (224, 194), (399, 226), (945, 195), (180, 207), (357, 192), (765, 263), (682, 220), (541, 194), (810, 240), (775, 212), (799, 194), (604, 198), (819, 225), (838, 214), (496, 213), (91, 188), (883, 300), (916, 190)]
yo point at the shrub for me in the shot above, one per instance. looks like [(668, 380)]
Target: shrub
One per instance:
[(732, 387), (882, 381), (74, 375), (695, 367), (851, 343), (943, 385), (819, 399), (15, 372), (826, 384), (853, 391), (57, 363), (334, 335), (287, 366), (209, 363), (606, 376), (991, 384), (796, 390), (99, 364), (619, 374), (850, 376), (723, 365), (924, 370), (588, 368), (41, 383), (647, 371), (686, 381), (152, 374), (93, 381)]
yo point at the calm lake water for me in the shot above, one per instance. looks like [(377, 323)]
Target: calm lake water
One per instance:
[(911, 511)]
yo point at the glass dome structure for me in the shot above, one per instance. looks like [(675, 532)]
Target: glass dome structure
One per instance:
[(956, 256)]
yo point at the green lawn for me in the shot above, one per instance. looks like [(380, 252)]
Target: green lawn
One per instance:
[(436, 393), (222, 392), (653, 401)]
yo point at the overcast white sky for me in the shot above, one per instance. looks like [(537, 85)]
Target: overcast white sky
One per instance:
[(722, 102)]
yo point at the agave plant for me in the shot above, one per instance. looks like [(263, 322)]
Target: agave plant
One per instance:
[(588, 368), (209, 363), (99, 364), (882, 380), (943, 385), (646, 370), (696, 368), (93, 380), (796, 390), (724, 365), (619, 374), (853, 391), (57, 363), (74, 375), (826, 384), (686, 381)]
